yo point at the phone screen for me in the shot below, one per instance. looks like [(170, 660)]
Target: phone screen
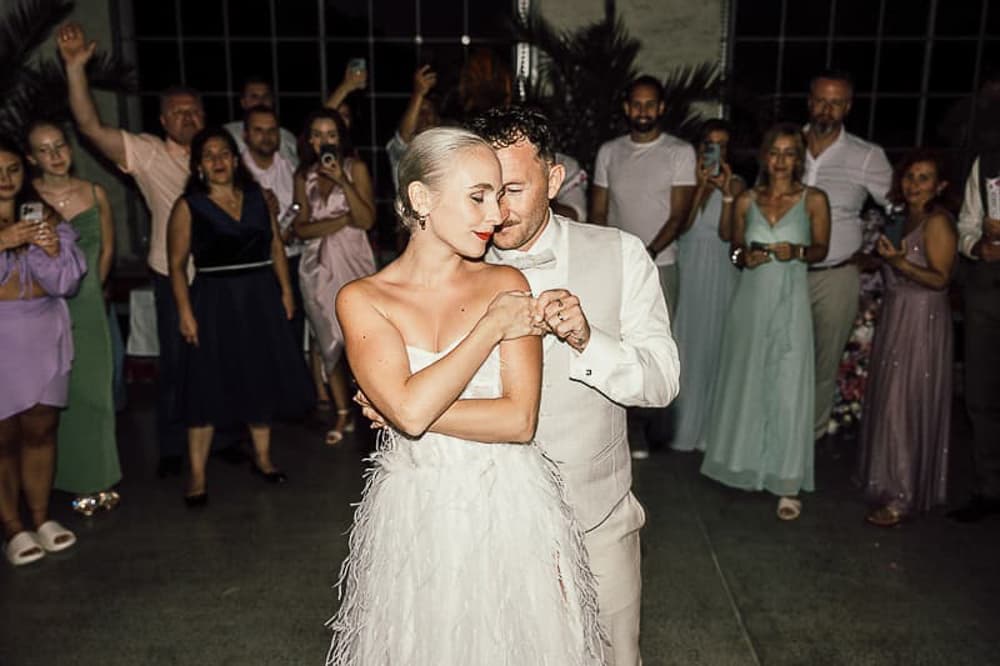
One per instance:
[(711, 157)]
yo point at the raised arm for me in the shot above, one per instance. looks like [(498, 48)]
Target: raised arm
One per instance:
[(412, 402), (76, 53), (354, 79), (424, 79)]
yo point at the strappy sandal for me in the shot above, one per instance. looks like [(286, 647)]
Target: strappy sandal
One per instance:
[(789, 508), (885, 516), (23, 549)]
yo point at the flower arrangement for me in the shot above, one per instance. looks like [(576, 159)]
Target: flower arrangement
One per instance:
[(852, 376)]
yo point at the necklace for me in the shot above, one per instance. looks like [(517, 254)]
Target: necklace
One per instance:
[(59, 199)]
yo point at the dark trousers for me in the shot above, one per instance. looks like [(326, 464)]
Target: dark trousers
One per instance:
[(170, 430), (982, 373)]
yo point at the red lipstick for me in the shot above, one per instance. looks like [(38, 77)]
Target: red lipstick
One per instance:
[(484, 235)]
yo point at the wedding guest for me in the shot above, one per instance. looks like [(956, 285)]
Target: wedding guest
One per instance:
[(39, 266), (903, 450), (275, 174), (334, 190), (979, 232), (849, 170), (257, 92), (643, 184), (241, 364), (759, 433), (421, 113), (707, 280), (88, 451), (160, 169)]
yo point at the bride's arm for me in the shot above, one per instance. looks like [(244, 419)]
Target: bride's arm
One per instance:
[(512, 417), (378, 357)]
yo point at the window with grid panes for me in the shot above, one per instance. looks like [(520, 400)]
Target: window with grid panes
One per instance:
[(303, 47), (917, 65)]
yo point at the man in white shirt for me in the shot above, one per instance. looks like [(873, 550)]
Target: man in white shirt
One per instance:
[(849, 170), (610, 345), (979, 241), (275, 174), (644, 181), (258, 92)]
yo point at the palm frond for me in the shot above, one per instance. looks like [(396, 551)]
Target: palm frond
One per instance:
[(684, 87), (32, 88)]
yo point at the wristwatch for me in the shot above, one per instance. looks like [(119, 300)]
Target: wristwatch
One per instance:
[(734, 257), (802, 252)]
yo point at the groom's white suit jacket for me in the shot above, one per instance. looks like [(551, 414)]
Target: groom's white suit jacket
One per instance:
[(631, 359)]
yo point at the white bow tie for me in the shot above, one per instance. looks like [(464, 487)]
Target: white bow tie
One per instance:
[(543, 260)]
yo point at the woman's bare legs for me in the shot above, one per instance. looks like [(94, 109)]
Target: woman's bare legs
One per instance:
[(341, 394), (10, 475), (261, 436), (199, 443), (39, 426), (316, 365)]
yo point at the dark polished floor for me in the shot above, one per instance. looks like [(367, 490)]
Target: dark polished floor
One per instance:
[(248, 579)]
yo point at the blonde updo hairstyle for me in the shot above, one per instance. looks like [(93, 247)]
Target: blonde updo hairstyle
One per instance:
[(425, 160)]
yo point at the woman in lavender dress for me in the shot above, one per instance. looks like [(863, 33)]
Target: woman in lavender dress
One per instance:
[(39, 265), (334, 190), (903, 460)]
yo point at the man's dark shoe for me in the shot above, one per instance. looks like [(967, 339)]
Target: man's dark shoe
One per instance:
[(169, 466), (976, 509)]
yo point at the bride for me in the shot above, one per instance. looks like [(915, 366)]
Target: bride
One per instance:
[(463, 549)]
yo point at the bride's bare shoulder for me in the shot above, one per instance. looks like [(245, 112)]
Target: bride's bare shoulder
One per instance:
[(364, 293), (503, 278)]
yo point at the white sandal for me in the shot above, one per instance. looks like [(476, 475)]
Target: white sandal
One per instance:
[(23, 549), (789, 508), (49, 535)]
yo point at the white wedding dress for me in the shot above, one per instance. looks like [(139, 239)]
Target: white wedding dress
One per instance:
[(464, 554)]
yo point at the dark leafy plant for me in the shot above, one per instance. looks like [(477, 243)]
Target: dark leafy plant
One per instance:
[(33, 87), (583, 76), (582, 79)]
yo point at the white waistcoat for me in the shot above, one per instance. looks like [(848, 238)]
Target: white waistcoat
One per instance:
[(578, 427)]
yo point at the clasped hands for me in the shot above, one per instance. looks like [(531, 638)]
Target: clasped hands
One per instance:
[(555, 311)]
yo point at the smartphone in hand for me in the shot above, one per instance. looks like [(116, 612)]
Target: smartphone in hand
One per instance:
[(762, 247), (32, 211), (328, 154), (712, 157)]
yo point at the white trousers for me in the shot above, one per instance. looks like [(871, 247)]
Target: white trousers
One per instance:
[(615, 559)]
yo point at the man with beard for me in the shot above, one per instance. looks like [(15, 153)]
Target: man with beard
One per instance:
[(258, 92), (644, 183), (848, 169), (275, 173), (610, 346), (160, 169)]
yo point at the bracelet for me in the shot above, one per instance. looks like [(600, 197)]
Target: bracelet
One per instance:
[(734, 257), (727, 198), (802, 252)]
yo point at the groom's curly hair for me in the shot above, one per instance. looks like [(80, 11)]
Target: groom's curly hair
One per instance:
[(502, 127)]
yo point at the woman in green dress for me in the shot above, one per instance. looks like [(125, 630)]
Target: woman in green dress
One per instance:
[(87, 450), (760, 426)]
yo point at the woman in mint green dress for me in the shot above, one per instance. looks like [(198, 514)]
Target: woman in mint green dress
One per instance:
[(760, 435), (87, 464)]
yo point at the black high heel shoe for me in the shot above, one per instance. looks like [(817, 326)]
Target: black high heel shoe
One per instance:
[(197, 500), (275, 476)]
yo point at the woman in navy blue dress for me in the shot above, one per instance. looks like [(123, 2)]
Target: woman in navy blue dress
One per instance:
[(241, 364)]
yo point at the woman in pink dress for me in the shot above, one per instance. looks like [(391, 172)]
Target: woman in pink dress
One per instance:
[(334, 190)]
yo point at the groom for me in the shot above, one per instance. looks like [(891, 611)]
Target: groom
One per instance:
[(610, 347)]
